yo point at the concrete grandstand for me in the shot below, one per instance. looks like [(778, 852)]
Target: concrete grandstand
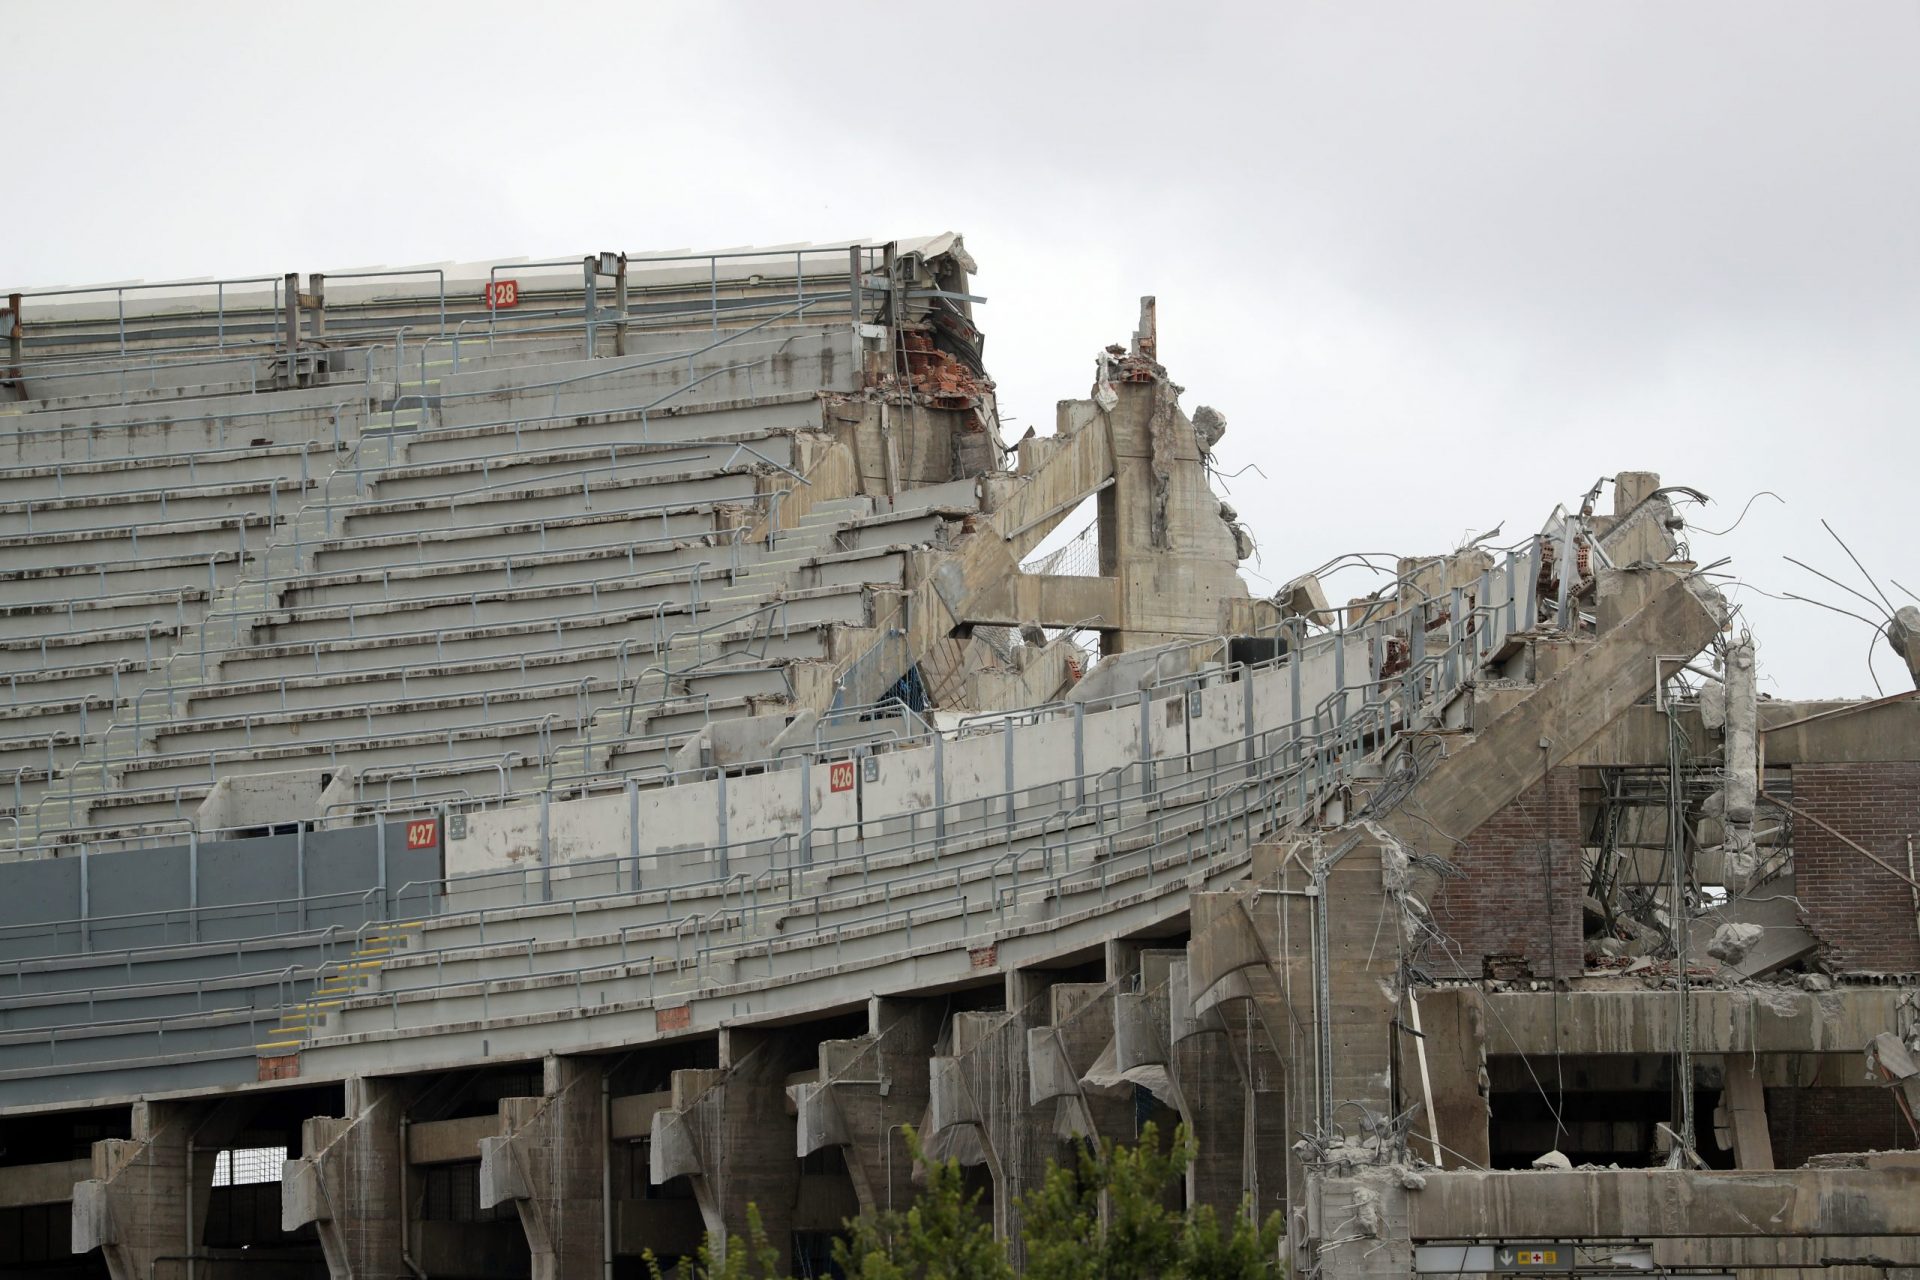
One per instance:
[(512, 764)]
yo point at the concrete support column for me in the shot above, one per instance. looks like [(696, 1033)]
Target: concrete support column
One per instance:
[(1445, 1070), (348, 1180), (730, 1131), (1067, 1077), (1746, 1104), (1361, 1224), (1266, 1133), (551, 1163), (1336, 929), (147, 1199), (1211, 1090), (869, 1088), (979, 1108)]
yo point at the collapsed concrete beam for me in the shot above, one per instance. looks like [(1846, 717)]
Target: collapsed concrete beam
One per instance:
[(1054, 479), (1636, 1204), (550, 1163), (347, 1183), (1051, 600)]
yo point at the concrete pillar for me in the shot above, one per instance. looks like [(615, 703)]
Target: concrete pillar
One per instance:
[(1064, 1053), (1360, 1226), (1445, 1070), (979, 1110), (730, 1130), (1161, 531), (1746, 1104), (1211, 1090), (868, 1089), (1266, 1131), (551, 1162), (147, 1198), (348, 1183), (1337, 930)]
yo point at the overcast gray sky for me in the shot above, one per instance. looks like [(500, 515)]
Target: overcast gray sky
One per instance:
[(1440, 264)]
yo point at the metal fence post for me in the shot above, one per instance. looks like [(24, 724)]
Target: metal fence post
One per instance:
[(620, 303), (86, 890), (806, 815), (1079, 753), (546, 846), (300, 875), (292, 303), (592, 302), (721, 820), (940, 787), (193, 886), (633, 829)]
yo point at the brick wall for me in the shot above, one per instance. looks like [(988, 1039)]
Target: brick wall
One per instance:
[(1863, 916), (1504, 904), (1815, 1122)]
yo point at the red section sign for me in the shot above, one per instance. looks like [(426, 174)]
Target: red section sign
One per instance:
[(501, 294), (424, 834), (840, 775)]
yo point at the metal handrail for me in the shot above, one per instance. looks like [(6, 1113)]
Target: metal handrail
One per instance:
[(1240, 787), (1147, 852), (119, 291)]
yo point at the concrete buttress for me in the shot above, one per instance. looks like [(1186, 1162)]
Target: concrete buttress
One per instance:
[(550, 1161), (1062, 1054), (1211, 1090), (982, 1089), (729, 1129), (147, 1199), (347, 1183), (869, 1088)]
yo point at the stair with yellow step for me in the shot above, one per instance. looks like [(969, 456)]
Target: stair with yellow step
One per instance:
[(340, 980)]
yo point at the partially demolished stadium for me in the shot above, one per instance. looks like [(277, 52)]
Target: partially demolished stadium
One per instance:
[(512, 765)]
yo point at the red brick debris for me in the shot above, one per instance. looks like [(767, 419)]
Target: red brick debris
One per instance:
[(937, 375)]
